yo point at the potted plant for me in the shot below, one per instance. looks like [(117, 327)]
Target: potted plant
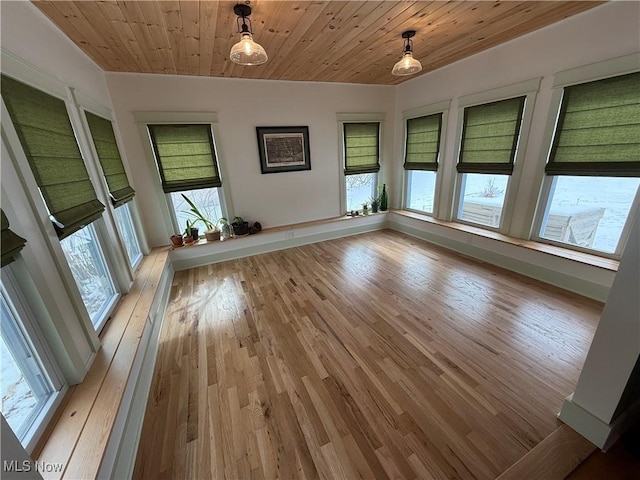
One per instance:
[(240, 226), (211, 232), (375, 204), (191, 234), (365, 208)]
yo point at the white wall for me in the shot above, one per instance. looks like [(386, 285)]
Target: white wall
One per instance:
[(241, 105), (29, 34)]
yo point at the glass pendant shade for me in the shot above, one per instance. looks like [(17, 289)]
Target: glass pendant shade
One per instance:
[(407, 65), (248, 52)]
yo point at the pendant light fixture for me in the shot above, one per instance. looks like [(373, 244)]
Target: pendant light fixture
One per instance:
[(246, 51), (407, 64)]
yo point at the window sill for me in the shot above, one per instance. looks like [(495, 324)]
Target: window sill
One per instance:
[(79, 434), (585, 258)]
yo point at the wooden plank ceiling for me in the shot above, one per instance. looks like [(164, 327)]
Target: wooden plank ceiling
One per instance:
[(328, 41)]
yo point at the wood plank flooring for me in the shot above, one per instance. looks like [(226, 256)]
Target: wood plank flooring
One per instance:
[(373, 356)]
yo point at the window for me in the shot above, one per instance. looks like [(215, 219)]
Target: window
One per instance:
[(45, 132), (490, 136), (28, 386), (593, 167), (120, 191), (89, 270), (422, 150), (361, 162), (207, 200), (186, 160), (29, 382), (127, 231)]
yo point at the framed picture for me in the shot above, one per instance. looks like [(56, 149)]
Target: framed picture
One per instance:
[(283, 149)]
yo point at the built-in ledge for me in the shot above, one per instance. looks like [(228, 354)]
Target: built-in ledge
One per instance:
[(586, 258), (274, 238)]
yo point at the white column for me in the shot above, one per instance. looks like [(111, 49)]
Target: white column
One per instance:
[(599, 409)]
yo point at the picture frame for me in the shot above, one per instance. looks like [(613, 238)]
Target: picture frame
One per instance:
[(283, 149)]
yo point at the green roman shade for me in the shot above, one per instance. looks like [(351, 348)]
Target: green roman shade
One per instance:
[(43, 127), (423, 143), (109, 156), (598, 129), (490, 137), (186, 157), (11, 242), (361, 148)]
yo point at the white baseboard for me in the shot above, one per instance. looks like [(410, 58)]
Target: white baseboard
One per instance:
[(601, 434), (570, 275)]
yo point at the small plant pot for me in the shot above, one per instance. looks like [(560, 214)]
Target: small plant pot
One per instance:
[(177, 240), (188, 240), (240, 229), (212, 235), (374, 208)]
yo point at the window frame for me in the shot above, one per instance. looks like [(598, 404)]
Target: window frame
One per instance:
[(143, 119), (545, 205), (343, 118), (179, 229), (435, 108), (88, 106), (36, 341), (117, 274), (589, 73), (133, 262), (528, 89), (107, 309)]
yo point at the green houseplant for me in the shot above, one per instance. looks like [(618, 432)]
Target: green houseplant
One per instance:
[(240, 226), (375, 204), (211, 232), (191, 233)]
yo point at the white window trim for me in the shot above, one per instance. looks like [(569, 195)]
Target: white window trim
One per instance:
[(33, 193), (120, 254), (37, 341), (587, 73), (134, 262), (106, 230), (440, 107), (529, 89), (74, 339), (343, 118), (144, 118), (31, 75)]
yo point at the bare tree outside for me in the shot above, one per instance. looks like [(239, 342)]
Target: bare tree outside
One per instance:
[(89, 269)]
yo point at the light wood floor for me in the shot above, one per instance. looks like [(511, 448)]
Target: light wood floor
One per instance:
[(372, 356)]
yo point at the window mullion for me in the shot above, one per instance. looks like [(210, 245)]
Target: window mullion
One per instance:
[(106, 231), (626, 230)]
